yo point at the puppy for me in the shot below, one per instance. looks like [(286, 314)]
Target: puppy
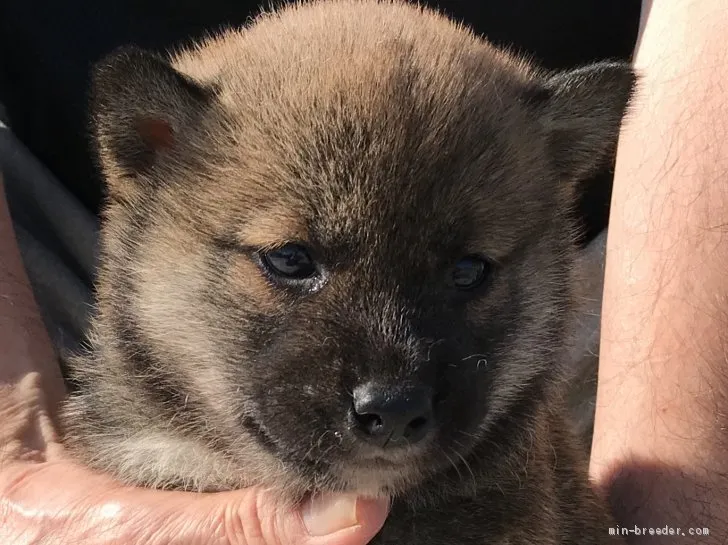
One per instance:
[(337, 256)]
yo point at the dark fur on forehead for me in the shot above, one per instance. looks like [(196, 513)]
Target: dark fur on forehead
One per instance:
[(440, 125), (438, 81)]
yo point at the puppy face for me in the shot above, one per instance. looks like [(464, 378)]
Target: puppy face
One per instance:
[(337, 244)]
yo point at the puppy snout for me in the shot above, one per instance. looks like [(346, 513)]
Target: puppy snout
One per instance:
[(391, 417)]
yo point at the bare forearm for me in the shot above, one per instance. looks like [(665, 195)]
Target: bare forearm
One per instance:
[(660, 433), (24, 344)]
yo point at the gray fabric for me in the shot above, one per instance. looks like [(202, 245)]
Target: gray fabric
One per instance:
[(584, 358), (57, 239), (591, 272)]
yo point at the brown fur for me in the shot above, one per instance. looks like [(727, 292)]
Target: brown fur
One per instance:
[(391, 142)]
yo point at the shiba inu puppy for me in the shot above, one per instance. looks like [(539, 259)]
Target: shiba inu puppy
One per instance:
[(337, 256)]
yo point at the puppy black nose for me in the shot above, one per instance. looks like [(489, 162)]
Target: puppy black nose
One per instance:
[(392, 417)]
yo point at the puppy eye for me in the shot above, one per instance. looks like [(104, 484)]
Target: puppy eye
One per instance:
[(289, 261), (469, 272)]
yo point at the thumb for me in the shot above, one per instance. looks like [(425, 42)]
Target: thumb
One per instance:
[(258, 517), (252, 517)]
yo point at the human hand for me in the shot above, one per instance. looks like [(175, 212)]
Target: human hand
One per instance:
[(46, 498)]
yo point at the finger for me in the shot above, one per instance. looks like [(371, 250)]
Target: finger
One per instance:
[(84, 508), (256, 517)]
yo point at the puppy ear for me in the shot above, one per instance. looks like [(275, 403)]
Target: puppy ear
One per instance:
[(140, 105), (581, 112)]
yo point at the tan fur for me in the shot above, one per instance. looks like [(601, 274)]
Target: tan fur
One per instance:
[(386, 138), (275, 227)]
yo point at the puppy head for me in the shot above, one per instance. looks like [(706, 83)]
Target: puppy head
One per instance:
[(337, 243)]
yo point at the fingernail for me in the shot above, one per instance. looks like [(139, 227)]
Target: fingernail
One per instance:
[(328, 513)]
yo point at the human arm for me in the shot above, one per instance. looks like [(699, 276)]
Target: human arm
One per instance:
[(660, 439)]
